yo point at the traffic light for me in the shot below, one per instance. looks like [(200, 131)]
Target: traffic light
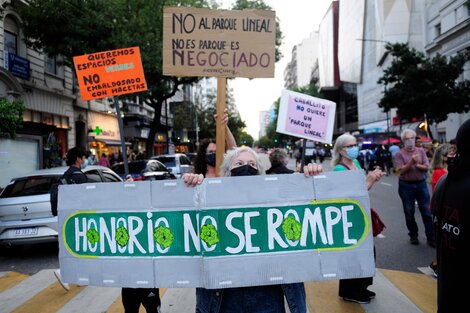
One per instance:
[(275, 140)]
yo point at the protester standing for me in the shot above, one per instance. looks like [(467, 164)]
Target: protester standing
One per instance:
[(76, 158), (345, 153), (452, 219), (244, 161), (103, 161), (413, 164)]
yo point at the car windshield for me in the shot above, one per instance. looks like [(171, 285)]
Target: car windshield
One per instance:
[(168, 161), (29, 186)]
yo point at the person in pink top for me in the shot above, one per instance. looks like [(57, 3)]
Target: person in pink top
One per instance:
[(103, 160), (412, 166)]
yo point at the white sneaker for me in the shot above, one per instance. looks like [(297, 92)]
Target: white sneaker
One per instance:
[(59, 278)]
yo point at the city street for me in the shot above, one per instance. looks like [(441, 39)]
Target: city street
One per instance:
[(399, 282)]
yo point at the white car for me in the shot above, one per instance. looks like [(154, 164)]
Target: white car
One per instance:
[(25, 207), (179, 163)]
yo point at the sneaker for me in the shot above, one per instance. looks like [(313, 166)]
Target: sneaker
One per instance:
[(358, 298), (59, 278), (371, 294), (432, 242), (414, 241)]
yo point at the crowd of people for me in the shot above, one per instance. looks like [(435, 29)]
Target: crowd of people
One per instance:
[(445, 170)]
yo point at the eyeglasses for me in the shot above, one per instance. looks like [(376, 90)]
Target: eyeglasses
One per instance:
[(350, 146)]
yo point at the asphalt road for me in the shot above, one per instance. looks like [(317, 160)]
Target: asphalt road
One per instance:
[(393, 248)]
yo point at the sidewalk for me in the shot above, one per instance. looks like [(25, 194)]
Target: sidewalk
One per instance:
[(397, 292)]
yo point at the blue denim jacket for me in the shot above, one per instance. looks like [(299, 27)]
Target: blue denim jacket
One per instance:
[(210, 300)]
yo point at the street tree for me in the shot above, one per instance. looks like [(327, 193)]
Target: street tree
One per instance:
[(260, 5), (11, 117), (418, 85), (71, 28)]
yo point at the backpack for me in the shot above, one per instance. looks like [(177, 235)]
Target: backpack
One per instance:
[(55, 194)]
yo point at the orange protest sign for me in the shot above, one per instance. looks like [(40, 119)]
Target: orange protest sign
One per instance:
[(110, 73)]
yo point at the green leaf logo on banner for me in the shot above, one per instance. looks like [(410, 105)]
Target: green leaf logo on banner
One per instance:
[(122, 236), (209, 234), (92, 236), (163, 236), (291, 228)]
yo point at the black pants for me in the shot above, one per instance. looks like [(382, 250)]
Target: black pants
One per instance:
[(133, 297), (354, 286)]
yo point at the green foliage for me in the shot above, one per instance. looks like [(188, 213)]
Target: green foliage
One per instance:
[(260, 5), (416, 84), (11, 117), (265, 142), (72, 28), (246, 139)]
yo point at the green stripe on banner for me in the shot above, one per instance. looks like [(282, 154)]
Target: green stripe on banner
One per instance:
[(318, 225)]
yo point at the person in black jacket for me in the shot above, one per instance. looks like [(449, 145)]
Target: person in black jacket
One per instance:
[(452, 224), (73, 175), (279, 160)]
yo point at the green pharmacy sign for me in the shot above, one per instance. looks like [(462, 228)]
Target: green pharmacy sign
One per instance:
[(317, 226)]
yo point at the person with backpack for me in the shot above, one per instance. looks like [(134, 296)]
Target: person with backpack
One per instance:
[(73, 175)]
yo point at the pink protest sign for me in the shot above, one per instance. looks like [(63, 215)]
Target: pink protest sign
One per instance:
[(306, 117)]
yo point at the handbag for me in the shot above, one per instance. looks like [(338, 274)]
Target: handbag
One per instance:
[(377, 224)]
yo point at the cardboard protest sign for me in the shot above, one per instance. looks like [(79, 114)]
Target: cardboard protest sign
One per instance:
[(204, 42), (227, 232), (110, 73), (306, 117)]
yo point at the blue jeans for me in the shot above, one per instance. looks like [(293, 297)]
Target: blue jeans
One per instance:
[(409, 193), (256, 299)]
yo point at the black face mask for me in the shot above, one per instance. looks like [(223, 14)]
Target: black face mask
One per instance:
[(450, 160), (210, 159), (244, 170)]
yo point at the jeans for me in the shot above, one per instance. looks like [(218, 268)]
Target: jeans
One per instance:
[(256, 299), (409, 193)]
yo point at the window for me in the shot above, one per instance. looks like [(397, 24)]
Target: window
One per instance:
[(53, 65), (93, 177), (437, 29), (11, 42), (108, 177), (29, 186)]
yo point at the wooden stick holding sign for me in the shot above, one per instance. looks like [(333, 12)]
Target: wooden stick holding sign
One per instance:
[(220, 128)]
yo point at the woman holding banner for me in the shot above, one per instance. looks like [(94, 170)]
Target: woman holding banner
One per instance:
[(244, 161), (345, 153)]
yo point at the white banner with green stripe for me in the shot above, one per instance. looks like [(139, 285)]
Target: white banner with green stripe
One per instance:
[(227, 232)]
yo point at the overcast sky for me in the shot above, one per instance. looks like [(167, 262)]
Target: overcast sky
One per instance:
[(298, 19)]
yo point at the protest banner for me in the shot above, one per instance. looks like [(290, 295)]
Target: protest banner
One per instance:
[(226, 232), (228, 43), (306, 117), (110, 73)]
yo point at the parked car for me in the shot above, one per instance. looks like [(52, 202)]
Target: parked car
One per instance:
[(25, 208), (152, 168), (179, 163)]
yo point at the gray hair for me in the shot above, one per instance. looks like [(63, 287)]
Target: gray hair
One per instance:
[(407, 131), (235, 152), (339, 143)]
